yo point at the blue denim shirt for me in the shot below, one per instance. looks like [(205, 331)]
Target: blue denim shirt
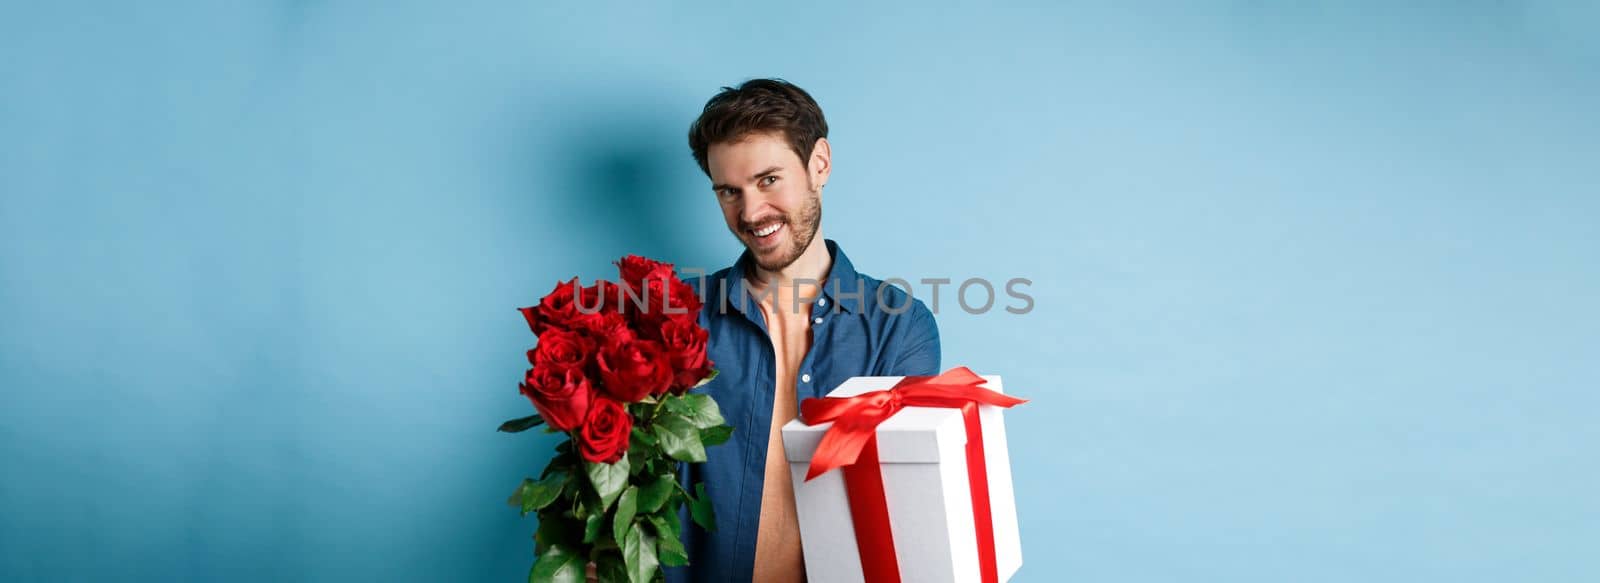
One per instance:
[(859, 327)]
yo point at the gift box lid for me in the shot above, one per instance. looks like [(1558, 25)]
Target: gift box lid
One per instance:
[(913, 435)]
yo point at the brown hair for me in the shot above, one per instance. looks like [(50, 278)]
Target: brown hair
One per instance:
[(758, 106)]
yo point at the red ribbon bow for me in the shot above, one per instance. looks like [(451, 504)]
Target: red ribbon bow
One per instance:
[(851, 443)]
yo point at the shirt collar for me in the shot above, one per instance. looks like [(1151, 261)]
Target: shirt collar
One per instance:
[(843, 287)]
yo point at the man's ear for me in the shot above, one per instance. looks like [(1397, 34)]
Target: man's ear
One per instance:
[(821, 162)]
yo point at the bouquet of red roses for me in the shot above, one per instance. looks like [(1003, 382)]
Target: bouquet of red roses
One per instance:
[(612, 369)]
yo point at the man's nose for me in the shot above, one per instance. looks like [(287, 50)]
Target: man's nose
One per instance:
[(755, 207)]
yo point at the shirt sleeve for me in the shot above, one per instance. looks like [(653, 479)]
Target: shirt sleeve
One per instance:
[(917, 345)]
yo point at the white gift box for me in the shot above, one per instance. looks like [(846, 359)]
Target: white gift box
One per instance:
[(922, 455)]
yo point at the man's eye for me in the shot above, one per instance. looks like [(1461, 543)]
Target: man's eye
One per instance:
[(767, 181)]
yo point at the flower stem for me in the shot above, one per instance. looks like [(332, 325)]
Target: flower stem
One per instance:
[(662, 400)]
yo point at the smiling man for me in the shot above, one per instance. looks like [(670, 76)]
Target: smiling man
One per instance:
[(791, 319)]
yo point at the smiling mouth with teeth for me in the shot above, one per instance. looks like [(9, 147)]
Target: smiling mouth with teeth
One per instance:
[(766, 231)]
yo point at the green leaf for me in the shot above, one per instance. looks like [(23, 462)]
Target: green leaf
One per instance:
[(654, 494), (700, 410), (562, 462), (639, 553), (537, 495), (640, 453), (590, 501), (708, 378), (716, 435), (591, 527), (555, 529), (558, 564), (515, 501), (700, 508), (675, 404), (640, 436), (626, 506), (660, 465), (609, 568), (669, 549), (680, 439), (523, 424), (608, 480), (670, 516)]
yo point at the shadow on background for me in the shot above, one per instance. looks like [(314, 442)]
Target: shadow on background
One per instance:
[(623, 179), (626, 181)]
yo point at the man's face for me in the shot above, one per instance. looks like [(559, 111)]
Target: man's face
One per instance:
[(770, 200)]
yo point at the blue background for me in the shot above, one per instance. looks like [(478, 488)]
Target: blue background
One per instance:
[(1315, 284)]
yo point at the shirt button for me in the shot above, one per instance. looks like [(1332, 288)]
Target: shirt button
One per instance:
[(822, 301), (805, 378), (816, 320)]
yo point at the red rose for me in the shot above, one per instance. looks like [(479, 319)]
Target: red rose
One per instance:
[(632, 368), (634, 270), (605, 326), (555, 310), (561, 396), (684, 301), (669, 299), (685, 345), (603, 297), (604, 436), (561, 350)]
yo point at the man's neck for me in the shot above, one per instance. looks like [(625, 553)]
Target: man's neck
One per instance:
[(812, 265)]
